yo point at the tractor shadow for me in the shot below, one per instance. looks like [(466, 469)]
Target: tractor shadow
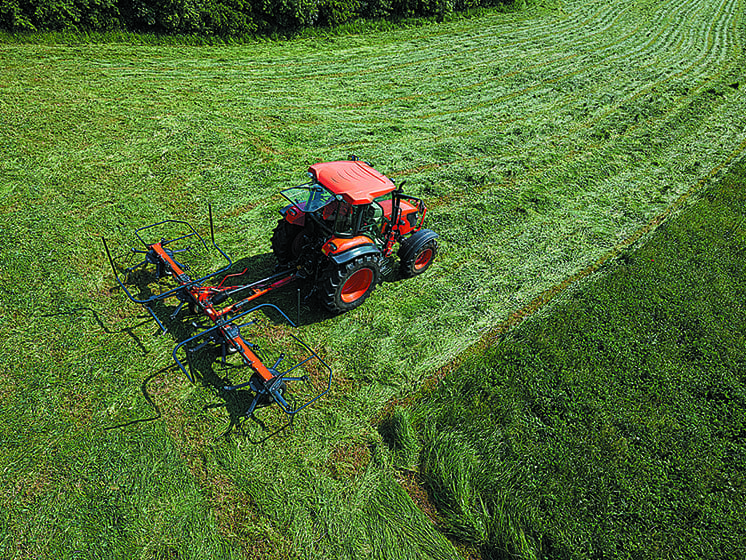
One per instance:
[(297, 300)]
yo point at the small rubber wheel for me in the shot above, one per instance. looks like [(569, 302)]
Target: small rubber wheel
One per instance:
[(287, 241), (420, 261), (344, 287)]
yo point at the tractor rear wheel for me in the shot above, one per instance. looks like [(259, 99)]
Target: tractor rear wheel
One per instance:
[(344, 287), (286, 241), (419, 261)]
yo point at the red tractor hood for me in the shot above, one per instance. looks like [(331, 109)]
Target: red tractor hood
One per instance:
[(356, 181)]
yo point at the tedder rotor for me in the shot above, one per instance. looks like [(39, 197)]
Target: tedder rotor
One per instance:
[(337, 235)]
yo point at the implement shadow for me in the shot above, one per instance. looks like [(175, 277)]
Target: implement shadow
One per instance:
[(150, 401), (208, 363), (250, 282), (79, 312), (236, 402), (296, 299)]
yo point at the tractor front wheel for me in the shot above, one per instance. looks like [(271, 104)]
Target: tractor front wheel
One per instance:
[(346, 286), (419, 261)]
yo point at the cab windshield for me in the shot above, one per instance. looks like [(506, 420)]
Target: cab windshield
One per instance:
[(309, 197)]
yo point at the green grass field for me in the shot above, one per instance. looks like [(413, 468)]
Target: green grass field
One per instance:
[(543, 143), (611, 423)]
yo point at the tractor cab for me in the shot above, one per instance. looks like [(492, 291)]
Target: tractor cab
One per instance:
[(332, 213), (350, 198)]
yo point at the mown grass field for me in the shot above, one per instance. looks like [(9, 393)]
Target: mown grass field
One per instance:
[(611, 423), (542, 143)]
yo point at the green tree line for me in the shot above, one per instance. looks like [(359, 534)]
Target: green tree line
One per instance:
[(225, 18)]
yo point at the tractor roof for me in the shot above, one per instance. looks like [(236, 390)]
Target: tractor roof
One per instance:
[(356, 181)]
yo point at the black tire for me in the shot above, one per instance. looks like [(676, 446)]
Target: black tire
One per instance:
[(285, 241), (344, 287), (420, 260)]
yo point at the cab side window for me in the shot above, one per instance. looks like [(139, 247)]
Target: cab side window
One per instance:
[(372, 218)]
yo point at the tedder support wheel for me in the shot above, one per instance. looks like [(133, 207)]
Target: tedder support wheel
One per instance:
[(344, 287), (419, 261), (286, 241)]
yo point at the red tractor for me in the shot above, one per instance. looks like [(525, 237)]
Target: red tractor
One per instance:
[(340, 230), (338, 234)]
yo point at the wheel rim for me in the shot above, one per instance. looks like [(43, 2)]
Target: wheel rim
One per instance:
[(356, 285), (297, 245), (423, 259)]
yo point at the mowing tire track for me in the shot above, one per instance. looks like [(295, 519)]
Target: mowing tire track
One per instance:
[(388, 57), (504, 123), (527, 179), (651, 42), (641, 51), (537, 172), (502, 48), (485, 57), (604, 64)]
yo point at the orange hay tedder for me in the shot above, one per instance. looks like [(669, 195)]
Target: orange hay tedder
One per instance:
[(337, 235)]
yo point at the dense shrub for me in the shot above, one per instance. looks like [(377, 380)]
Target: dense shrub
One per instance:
[(12, 17), (277, 15), (228, 18), (376, 9), (336, 12), (57, 15), (169, 16), (213, 17)]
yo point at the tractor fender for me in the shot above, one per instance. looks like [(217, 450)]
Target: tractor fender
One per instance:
[(345, 256), (411, 245)]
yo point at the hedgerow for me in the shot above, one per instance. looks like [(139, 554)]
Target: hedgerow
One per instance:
[(225, 18), (58, 15)]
